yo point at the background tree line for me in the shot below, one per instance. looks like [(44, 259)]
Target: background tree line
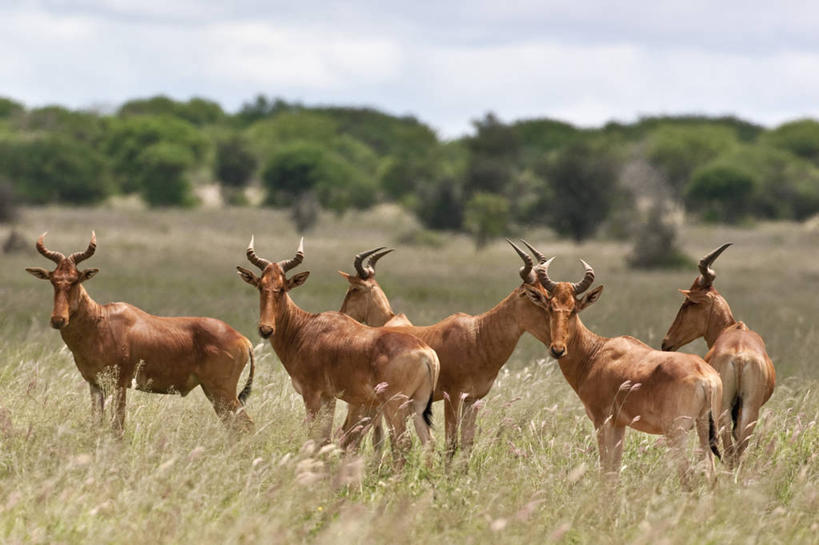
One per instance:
[(574, 180)]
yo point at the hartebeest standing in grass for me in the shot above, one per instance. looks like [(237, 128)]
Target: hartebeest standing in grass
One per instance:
[(142, 351), (736, 352), (330, 355), (472, 349), (623, 382)]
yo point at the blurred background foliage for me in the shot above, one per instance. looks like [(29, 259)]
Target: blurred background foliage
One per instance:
[(611, 181)]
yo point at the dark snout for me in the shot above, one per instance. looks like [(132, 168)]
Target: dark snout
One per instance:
[(667, 346), (558, 350), (265, 331), (58, 322)]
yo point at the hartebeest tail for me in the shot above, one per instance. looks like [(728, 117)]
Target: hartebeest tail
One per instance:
[(249, 384)]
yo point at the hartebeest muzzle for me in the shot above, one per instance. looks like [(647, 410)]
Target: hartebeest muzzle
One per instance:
[(266, 331)]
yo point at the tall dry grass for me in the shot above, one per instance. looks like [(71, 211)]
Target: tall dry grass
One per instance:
[(178, 477)]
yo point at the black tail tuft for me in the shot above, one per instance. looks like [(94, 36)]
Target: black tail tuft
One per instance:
[(428, 412), (249, 384), (735, 411), (712, 436)]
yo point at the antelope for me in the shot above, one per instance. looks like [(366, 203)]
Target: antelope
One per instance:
[(149, 353), (735, 351), (472, 349), (365, 301), (330, 356), (623, 382)]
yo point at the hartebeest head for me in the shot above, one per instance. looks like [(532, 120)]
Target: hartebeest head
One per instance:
[(693, 317), (272, 285), (365, 301), (562, 301), (66, 278)]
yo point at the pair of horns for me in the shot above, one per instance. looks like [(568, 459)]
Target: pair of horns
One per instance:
[(58, 257), (285, 265), (365, 272), (707, 274), (542, 269)]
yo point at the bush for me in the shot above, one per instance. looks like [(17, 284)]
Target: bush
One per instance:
[(234, 164), (656, 245), (583, 181), (8, 206), (486, 217), (55, 169), (304, 167), (162, 180), (720, 192), (798, 137)]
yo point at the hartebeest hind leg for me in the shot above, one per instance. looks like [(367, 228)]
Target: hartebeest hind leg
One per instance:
[(745, 424), (120, 397), (228, 407), (452, 410), (320, 411), (396, 411), (97, 404), (468, 424)]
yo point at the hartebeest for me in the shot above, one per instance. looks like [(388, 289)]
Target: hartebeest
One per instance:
[(142, 351), (623, 382), (736, 352), (472, 349), (365, 301), (330, 355)]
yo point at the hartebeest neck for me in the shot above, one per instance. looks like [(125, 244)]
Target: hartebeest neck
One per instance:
[(719, 318), (580, 357), (290, 322), (498, 330), (83, 311)]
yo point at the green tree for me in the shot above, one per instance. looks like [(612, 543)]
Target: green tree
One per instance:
[(235, 163), (679, 150), (583, 182), (721, 192), (486, 217), (197, 111), (162, 179), (798, 137), (55, 169), (10, 108)]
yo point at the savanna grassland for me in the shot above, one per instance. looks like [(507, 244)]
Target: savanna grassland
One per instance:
[(178, 477)]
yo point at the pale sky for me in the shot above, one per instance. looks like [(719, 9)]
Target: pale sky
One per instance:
[(447, 63)]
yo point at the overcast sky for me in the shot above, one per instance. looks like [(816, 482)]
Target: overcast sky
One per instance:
[(444, 62)]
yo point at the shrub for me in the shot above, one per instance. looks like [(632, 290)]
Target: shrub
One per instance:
[(655, 243), (163, 180), (486, 217), (235, 163), (721, 192), (8, 206)]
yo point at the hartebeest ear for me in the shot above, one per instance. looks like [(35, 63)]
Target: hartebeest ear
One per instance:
[(345, 275), (535, 295), (88, 274), (590, 298), (247, 276), (297, 280), (695, 296), (39, 272)]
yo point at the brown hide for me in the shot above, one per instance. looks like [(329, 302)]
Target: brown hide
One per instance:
[(735, 351), (623, 382), (329, 356), (150, 353)]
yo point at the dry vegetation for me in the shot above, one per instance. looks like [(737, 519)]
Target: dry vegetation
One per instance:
[(178, 477)]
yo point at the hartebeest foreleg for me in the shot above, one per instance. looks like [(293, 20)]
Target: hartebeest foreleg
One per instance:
[(119, 408), (610, 446), (468, 423), (97, 404)]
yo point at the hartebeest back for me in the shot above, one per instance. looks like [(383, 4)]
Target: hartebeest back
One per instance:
[(472, 349), (330, 355), (150, 353), (623, 382), (736, 352)]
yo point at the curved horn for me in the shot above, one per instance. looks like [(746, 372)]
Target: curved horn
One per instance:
[(77, 257), (543, 275), (374, 259), (583, 285), (253, 258), (540, 257), (363, 272), (288, 264), (526, 270), (56, 257), (707, 274)]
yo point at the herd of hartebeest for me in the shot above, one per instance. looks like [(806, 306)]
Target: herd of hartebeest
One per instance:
[(383, 366)]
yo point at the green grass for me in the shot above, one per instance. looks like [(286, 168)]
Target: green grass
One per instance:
[(178, 477)]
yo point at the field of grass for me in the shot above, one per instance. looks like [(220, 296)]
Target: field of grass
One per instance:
[(177, 477)]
